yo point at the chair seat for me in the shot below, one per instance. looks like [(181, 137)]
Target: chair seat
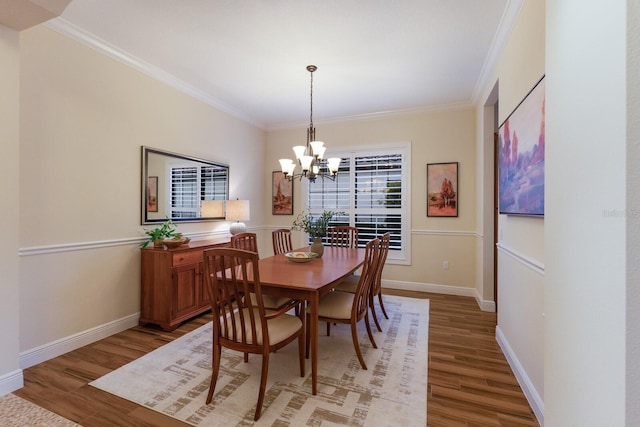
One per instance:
[(271, 302), (280, 328), (349, 284), (336, 305)]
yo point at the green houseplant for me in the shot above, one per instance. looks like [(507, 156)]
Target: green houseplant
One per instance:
[(166, 230), (315, 226)]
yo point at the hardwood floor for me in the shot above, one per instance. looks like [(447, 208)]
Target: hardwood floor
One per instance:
[(470, 382)]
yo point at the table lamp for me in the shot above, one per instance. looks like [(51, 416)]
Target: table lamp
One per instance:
[(237, 210), (212, 209)]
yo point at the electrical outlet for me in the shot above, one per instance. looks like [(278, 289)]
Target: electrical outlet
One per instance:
[(445, 265)]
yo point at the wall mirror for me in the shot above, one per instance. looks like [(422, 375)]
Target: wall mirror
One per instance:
[(183, 188)]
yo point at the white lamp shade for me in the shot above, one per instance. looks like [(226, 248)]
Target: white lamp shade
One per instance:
[(320, 151), (292, 168), (212, 209), (334, 164), (238, 210), (315, 146), (285, 165), (306, 162), (299, 150)]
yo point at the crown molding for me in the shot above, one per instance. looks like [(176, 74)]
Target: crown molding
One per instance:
[(508, 20), (457, 106)]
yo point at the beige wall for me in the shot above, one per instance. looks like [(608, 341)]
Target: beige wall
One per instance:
[(10, 377), (84, 117), (521, 254), (444, 136)]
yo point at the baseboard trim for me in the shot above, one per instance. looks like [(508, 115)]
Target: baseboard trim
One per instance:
[(57, 348), (429, 287), (11, 382), (530, 392), (485, 305), (441, 289)]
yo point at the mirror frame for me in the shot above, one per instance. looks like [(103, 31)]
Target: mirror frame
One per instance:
[(145, 220)]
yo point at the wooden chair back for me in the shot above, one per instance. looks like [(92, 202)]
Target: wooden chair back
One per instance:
[(245, 241), (376, 287), (334, 307), (281, 241), (241, 322), (229, 271), (343, 236), (367, 277)]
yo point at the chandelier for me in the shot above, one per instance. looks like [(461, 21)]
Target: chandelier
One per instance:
[(310, 157)]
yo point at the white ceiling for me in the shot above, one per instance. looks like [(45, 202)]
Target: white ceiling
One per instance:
[(249, 57)]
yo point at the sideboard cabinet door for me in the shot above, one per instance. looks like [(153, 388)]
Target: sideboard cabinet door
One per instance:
[(173, 289)]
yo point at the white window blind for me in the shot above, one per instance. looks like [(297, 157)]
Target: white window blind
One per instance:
[(192, 184), (372, 190)]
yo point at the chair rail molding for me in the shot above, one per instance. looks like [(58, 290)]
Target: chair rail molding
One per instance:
[(528, 262), (81, 246)]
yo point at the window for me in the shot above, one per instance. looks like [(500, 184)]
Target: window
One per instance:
[(372, 190), (192, 184)]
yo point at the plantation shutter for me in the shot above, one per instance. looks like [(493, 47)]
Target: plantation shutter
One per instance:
[(369, 189), (192, 184), (184, 192), (213, 183)]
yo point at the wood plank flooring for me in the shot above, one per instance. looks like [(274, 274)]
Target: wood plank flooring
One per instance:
[(470, 382)]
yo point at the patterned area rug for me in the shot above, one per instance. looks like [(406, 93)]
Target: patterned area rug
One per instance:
[(174, 379), (18, 412)]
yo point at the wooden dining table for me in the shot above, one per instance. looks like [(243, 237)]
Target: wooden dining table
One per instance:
[(309, 281)]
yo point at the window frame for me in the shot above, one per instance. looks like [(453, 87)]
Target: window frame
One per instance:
[(402, 256)]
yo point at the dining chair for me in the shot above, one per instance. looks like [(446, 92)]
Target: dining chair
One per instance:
[(246, 241), (351, 282), (351, 308), (244, 324), (343, 236), (281, 241), (249, 242)]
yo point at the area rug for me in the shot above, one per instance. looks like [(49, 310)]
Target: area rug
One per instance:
[(174, 379), (18, 412)]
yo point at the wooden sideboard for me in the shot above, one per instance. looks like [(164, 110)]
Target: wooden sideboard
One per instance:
[(173, 289)]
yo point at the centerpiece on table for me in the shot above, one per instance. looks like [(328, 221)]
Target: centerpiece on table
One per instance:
[(315, 226)]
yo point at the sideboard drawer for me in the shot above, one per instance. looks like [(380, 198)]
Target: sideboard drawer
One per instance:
[(187, 257)]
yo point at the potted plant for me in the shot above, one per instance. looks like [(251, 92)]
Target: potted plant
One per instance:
[(316, 227), (157, 235)]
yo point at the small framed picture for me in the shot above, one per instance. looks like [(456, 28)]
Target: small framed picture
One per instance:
[(152, 194), (442, 189), (282, 194)]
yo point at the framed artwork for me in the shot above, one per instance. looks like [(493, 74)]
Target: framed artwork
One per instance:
[(442, 189), (281, 194), (152, 194), (521, 157)]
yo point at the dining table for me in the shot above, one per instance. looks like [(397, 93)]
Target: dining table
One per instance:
[(309, 281)]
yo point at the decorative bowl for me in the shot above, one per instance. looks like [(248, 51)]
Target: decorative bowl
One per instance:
[(174, 243), (301, 256)]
